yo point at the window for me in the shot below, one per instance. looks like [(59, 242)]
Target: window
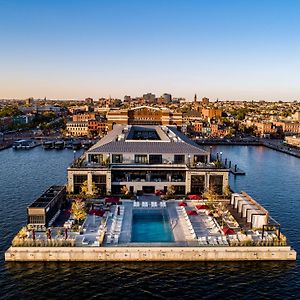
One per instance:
[(100, 183), (216, 183), (78, 181), (197, 184), (155, 159), (200, 159), (117, 158), (141, 159), (179, 159), (96, 158)]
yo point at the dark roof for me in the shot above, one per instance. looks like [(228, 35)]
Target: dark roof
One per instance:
[(148, 147), (182, 145)]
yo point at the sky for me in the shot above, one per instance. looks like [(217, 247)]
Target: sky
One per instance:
[(73, 49)]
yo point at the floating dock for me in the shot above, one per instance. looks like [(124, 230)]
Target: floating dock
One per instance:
[(237, 171)]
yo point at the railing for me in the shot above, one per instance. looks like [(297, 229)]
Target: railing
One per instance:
[(145, 180), (85, 164)]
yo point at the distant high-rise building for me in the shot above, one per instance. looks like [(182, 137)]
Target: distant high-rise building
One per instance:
[(167, 97), (29, 101), (195, 98), (149, 97)]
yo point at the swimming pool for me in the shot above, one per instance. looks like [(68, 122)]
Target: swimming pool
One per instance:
[(151, 226)]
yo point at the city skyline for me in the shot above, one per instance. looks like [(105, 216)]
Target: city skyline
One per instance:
[(231, 51)]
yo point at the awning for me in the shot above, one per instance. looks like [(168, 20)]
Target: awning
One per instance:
[(182, 203), (97, 212)]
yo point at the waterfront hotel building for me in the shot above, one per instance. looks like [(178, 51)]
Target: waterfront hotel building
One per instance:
[(146, 159)]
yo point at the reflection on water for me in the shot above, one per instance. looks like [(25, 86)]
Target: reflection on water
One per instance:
[(271, 177), (158, 280)]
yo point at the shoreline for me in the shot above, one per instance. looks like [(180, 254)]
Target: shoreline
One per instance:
[(271, 144)]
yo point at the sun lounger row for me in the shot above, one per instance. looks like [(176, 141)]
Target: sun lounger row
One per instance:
[(116, 226), (186, 224), (153, 204), (213, 241), (112, 238)]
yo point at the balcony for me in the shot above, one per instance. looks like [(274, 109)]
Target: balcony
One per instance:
[(148, 179), (85, 164)]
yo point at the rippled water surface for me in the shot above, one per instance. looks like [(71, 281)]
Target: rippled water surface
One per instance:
[(271, 177)]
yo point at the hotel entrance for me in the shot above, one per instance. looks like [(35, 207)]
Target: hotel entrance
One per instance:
[(149, 189)]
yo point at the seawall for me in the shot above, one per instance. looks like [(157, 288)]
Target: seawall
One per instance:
[(150, 253)]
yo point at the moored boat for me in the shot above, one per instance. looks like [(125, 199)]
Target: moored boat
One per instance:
[(59, 145), (24, 144), (48, 144), (76, 145)]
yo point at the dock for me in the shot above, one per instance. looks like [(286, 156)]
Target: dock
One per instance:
[(237, 171)]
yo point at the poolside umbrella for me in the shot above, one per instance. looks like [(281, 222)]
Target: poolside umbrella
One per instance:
[(66, 233), (228, 231), (194, 197), (33, 234), (114, 200), (201, 206), (97, 212), (192, 213), (182, 203)]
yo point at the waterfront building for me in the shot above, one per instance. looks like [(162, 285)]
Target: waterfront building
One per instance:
[(87, 124), (144, 115), (289, 127), (79, 128), (146, 159), (45, 209), (265, 128), (292, 140)]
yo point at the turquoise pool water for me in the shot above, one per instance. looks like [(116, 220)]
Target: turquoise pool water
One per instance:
[(151, 227)]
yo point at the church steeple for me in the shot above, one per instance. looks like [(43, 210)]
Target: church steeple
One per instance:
[(195, 98)]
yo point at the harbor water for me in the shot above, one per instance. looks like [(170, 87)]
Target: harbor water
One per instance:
[(271, 177)]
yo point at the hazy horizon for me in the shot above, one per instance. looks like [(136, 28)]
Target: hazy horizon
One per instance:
[(231, 50)]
